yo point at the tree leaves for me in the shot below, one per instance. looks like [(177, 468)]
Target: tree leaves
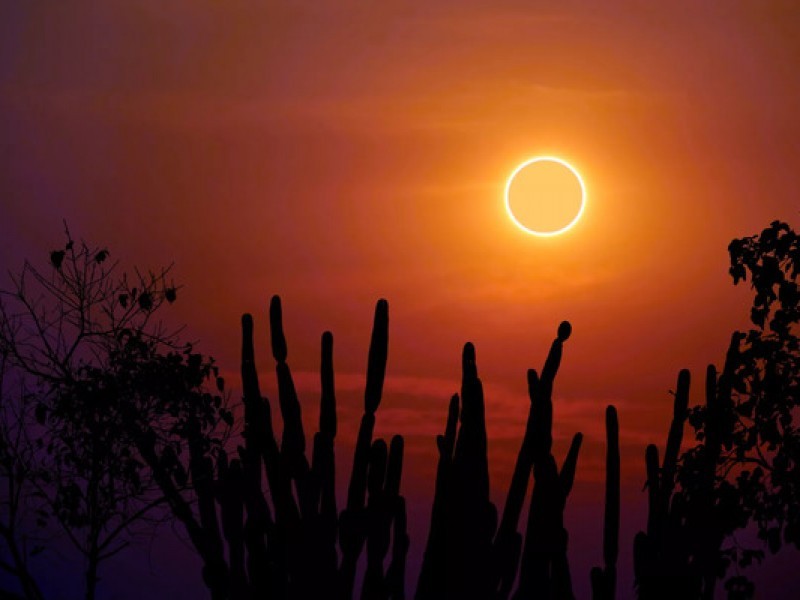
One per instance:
[(773, 260), (146, 301), (57, 258)]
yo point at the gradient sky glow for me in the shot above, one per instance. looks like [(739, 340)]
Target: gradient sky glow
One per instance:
[(337, 152)]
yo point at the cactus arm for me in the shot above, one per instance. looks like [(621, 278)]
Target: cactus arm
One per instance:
[(352, 521)]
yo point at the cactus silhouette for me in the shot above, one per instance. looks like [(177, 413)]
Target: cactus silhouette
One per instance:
[(358, 522), (604, 580), (661, 560), (432, 579), (679, 554), (383, 507), (544, 568), (298, 546), (287, 548), (463, 519), (465, 557)]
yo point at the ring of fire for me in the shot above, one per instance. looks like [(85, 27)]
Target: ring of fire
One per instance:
[(545, 196)]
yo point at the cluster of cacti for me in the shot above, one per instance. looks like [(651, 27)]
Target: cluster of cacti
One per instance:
[(297, 546), (374, 505), (306, 550), (662, 553), (468, 555), (678, 556), (287, 547)]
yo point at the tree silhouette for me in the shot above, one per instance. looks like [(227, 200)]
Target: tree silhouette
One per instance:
[(745, 465), (18, 485), (753, 428), (99, 403)]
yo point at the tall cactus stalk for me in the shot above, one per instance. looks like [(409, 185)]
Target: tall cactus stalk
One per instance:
[(266, 571), (231, 498), (706, 519), (324, 471), (378, 521), (457, 558), (432, 579), (604, 580), (260, 435), (508, 541), (396, 506), (476, 516), (719, 403), (353, 522), (293, 440), (709, 536), (262, 448)]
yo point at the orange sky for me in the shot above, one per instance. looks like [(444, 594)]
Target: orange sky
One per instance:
[(338, 152)]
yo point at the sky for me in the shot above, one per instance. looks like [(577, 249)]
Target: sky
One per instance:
[(339, 152)]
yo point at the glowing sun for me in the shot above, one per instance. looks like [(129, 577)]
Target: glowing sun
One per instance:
[(545, 196)]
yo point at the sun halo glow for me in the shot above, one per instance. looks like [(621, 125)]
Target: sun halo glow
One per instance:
[(544, 196)]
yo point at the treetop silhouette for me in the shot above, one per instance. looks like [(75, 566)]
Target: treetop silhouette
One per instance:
[(100, 407)]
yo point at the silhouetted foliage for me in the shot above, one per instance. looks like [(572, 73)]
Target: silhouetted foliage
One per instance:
[(100, 405), (764, 437), (758, 468), (745, 466)]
